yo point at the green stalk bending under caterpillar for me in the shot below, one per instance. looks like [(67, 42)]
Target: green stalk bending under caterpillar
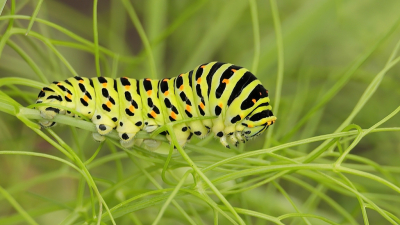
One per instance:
[(128, 105)]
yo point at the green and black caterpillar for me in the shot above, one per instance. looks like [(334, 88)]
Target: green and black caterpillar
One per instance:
[(230, 92)]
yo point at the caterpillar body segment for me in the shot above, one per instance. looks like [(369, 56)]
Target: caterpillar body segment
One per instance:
[(230, 92), (130, 120)]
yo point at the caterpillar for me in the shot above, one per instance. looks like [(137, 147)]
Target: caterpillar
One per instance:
[(231, 93)]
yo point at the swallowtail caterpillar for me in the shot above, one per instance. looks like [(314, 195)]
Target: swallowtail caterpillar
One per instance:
[(230, 92)]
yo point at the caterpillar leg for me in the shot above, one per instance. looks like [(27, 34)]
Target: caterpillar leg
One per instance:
[(46, 123), (239, 136), (150, 128), (131, 142), (151, 144), (233, 138), (218, 129), (224, 142), (127, 139), (98, 137), (102, 130), (104, 125), (127, 144), (48, 113)]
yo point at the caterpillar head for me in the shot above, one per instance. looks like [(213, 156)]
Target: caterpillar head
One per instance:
[(257, 122)]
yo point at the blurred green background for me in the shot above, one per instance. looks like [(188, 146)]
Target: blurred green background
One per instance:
[(323, 42)]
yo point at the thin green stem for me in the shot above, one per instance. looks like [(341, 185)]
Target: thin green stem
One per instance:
[(360, 201), (96, 39), (279, 78), (28, 60), (70, 34), (363, 133), (143, 36), (201, 174), (170, 198), (285, 194), (256, 35), (87, 162), (37, 9), (17, 206), (339, 84)]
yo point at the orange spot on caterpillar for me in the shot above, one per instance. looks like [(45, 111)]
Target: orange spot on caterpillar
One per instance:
[(254, 101), (173, 115), (109, 104), (181, 87), (58, 83), (104, 84), (70, 96), (202, 66), (153, 114), (202, 105), (166, 93), (131, 108), (226, 81), (149, 92), (220, 105), (127, 87), (233, 70), (250, 126), (148, 79), (86, 98), (188, 108), (199, 80), (81, 81), (165, 79), (181, 75)]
